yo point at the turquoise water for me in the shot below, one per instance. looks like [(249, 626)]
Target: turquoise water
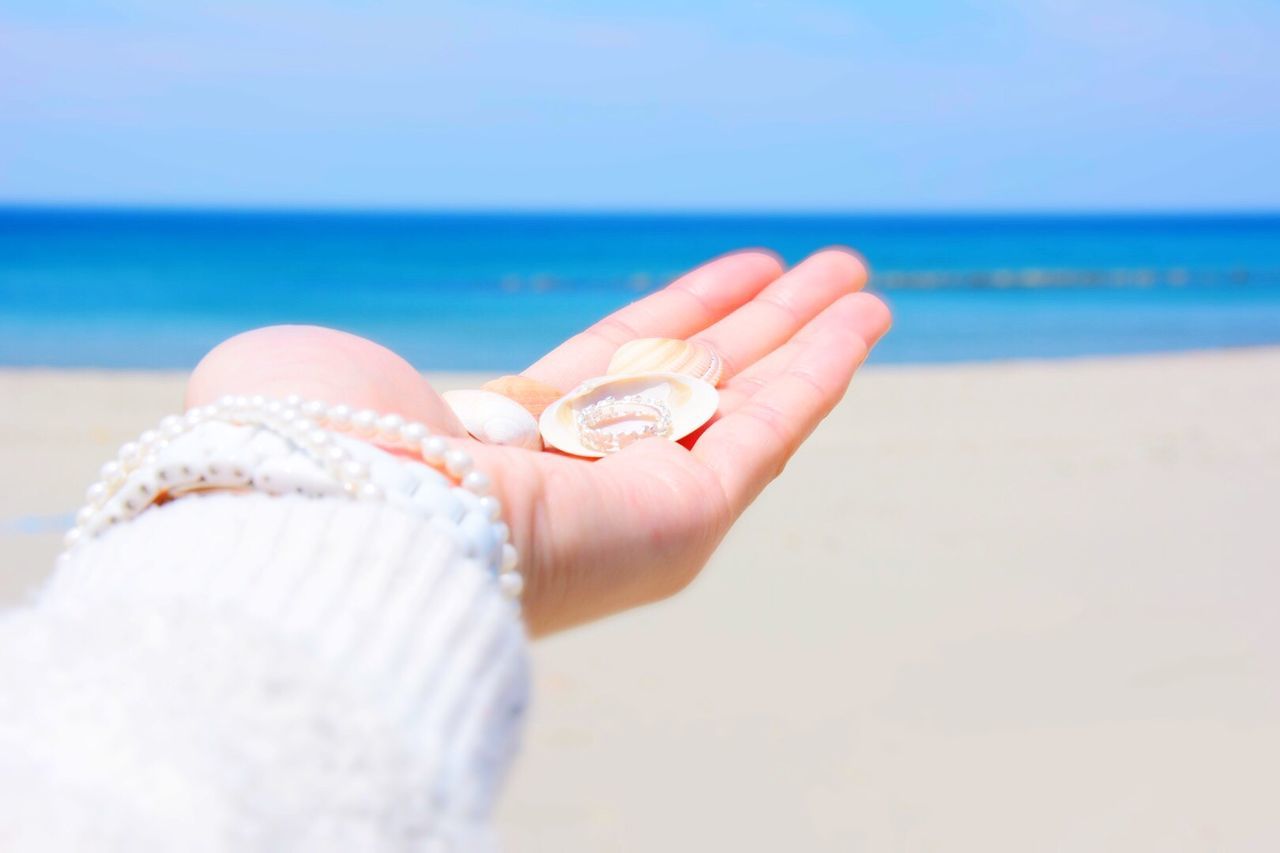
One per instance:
[(492, 292)]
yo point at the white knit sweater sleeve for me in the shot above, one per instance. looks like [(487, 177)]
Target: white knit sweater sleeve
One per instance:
[(252, 673)]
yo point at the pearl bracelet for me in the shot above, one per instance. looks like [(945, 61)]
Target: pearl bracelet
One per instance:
[(308, 453)]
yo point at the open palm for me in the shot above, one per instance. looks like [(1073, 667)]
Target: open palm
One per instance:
[(600, 536)]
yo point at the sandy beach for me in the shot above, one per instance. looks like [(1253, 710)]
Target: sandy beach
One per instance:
[(1000, 607)]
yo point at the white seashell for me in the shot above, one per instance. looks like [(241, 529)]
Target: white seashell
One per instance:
[(667, 355), (494, 419), (688, 402)]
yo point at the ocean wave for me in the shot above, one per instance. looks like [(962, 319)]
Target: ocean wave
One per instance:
[(1055, 277), (1006, 278)]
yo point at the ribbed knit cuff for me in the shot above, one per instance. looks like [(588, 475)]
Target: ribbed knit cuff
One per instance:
[(384, 601)]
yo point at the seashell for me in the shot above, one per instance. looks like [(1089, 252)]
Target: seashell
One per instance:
[(530, 393), (604, 414), (494, 419), (667, 355)]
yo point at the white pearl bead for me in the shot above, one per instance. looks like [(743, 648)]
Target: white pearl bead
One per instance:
[(413, 433), (240, 401), (355, 469), (110, 471), (130, 454), (510, 557), (504, 532), (319, 437), (169, 422), (389, 427), (476, 482), (97, 493), (72, 537), (227, 401), (149, 438), (457, 463), (364, 422), (257, 401), (293, 401), (491, 506), (314, 408), (433, 449), (83, 516), (339, 416), (370, 492), (511, 584)]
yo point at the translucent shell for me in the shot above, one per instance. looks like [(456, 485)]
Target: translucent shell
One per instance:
[(677, 402), (667, 355), (494, 419), (530, 393)]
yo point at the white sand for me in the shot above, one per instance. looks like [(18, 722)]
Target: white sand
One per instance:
[(994, 608)]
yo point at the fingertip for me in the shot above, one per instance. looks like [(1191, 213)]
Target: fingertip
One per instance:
[(858, 315), (846, 263), (848, 251), (874, 317), (763, 259)]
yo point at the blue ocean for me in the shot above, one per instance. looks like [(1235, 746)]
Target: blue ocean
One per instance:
[(156, 289)]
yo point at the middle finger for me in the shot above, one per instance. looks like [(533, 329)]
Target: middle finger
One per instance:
[(780, 310)]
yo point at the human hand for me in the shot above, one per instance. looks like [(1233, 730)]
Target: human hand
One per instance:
[(596, 537)]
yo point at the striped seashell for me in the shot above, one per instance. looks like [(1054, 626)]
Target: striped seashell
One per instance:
[(530, 393), (667, 355)]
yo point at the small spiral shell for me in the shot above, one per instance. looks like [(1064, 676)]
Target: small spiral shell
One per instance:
[(530, 393)]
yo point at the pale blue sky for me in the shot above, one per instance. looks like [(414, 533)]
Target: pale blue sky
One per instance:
[(801, 104)]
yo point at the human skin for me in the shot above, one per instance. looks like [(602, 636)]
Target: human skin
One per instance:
[(597, 537)]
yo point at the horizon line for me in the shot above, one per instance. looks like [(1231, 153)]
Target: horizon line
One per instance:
[(17, 205)]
